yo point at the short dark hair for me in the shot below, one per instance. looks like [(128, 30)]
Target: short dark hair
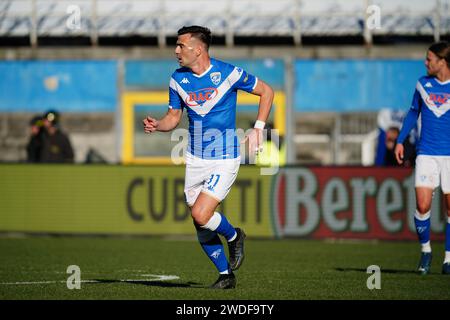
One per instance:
[(442, 50), (201, 33)]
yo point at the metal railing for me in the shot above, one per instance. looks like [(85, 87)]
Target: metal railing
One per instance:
[(228, 18), (342, 138)]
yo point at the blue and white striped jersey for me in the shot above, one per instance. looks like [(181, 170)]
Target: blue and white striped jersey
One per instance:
[(210, 100), (431, 100)]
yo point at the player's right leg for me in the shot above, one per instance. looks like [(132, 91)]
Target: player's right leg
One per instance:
[(426, 180), (446, 264), (424, 197), (445, 185)]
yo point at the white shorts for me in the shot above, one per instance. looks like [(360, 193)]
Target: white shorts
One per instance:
[(214, 177), (432, 171)]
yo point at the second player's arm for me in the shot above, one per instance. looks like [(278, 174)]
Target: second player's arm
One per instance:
[(167, 123)]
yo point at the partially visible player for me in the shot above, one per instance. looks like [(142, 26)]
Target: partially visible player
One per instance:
[(207, 89), (431, 101)]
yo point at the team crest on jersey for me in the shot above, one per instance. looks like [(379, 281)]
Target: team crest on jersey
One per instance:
[(215, 77)]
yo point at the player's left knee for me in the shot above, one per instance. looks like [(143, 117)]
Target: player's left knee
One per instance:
[(199, 215), (423, 207)]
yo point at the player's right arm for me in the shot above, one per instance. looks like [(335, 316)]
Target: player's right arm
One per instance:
[(408, 124), (173, 116), (169, 122)]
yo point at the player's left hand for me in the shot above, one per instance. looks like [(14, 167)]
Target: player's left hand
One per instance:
[(254, 139)]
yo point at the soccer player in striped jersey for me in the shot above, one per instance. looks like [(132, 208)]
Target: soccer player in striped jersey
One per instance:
[(431, 101), (207, 89)]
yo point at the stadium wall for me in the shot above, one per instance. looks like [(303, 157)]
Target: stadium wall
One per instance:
[(89, 94), (319, 85), (306, 202)]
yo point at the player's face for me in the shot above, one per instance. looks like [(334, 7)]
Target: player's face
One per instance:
[(186, 50), (433, 63)]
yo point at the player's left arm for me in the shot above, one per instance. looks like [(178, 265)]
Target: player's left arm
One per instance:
[(266, 94)]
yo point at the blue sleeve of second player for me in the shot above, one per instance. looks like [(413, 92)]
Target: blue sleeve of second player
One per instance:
[(411, 118)]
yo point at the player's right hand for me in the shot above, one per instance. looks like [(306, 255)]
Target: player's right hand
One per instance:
[(399, 152), (150, 124)]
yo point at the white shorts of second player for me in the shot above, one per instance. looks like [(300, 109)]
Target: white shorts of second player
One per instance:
[(432, 171), (213, 177)]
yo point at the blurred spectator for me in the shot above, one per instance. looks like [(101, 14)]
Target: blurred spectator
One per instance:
[(34, 145), (389, 123), (391, 138), (56, 146), (390, 142)]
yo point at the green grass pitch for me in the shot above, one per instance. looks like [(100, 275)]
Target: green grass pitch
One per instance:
[(124, 268)]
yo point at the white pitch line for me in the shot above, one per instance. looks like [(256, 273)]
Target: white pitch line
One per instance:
[(155, 278)]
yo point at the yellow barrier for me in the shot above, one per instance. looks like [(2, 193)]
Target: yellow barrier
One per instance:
[(132, 98)]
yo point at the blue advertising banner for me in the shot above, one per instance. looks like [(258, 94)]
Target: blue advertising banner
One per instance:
[(355, 85), (67, 86)]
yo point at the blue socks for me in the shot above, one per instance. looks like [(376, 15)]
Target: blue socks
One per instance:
[(447, 235), (220, 224), (208, 236), (422, 222), (226, 229), (214, 249)]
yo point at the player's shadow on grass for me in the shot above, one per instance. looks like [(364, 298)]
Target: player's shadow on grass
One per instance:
[(151, 283), (382, 270)]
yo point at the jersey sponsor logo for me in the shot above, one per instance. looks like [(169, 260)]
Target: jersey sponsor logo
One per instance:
[(199, 97), (215, 77), (438, 98)]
